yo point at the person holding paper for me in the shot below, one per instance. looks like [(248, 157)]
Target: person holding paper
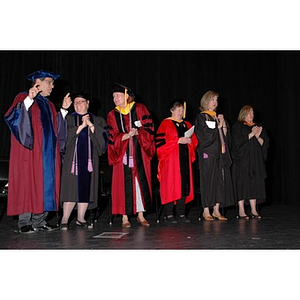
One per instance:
[(176, 153), (212, 132), (250, 143), (131, 147)]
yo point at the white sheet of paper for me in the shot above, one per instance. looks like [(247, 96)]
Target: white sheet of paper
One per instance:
[(211, 124), (138, 123), (189, 132)]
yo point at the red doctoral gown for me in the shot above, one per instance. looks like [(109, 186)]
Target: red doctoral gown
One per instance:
[(27, 176), (169, 174), (143, 149)]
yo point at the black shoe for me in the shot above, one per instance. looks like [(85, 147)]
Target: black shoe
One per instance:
[(26, 229), (171, 220), (255, 216), (47, 227), (64, 226), (83, 224), (183, 219)]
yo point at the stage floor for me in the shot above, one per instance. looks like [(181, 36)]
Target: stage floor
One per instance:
[(279, 228)]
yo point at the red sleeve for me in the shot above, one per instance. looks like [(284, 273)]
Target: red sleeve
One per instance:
[(166, 139), (193, 145), (146, 135), (116, 147)]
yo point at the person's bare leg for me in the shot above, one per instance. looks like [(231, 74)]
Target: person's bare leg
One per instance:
[(242, 212), (81, 210), (67, 210), (206, 214), (125, 221), (253, 208), (216, 213)]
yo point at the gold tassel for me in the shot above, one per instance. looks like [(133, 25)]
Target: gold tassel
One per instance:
[(125, 97), (184, 109)]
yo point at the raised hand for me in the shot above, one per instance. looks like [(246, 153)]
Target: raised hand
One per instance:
[(258, 131), (34, 91), (67, 101), (221, 121)]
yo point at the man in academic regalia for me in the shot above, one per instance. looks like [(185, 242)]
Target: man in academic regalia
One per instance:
[(37, 131), (131, 147)]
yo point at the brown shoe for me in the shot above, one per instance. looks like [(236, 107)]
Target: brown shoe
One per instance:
[(208, 217), (126, 225), (143, 223), (219, 217)]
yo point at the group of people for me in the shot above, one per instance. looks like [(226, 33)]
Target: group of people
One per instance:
[(231, 162), (54, 158)]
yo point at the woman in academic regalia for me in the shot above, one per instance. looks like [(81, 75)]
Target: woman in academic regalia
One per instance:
[(131, 147), (87, 137), (249, 153), (212, 132), (175, 153)]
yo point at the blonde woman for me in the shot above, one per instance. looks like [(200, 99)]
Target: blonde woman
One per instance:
[(249, 153), (212, 132)]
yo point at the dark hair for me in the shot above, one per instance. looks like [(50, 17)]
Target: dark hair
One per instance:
[(175, 104)]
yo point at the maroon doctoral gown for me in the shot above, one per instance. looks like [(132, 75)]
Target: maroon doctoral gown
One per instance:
[(34, 164), (142, 149)]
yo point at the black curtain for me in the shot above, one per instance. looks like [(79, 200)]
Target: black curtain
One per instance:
[(268, 80)]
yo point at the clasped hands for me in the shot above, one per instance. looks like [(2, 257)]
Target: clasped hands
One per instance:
[(131, 133), (86, 121), (256, 131)]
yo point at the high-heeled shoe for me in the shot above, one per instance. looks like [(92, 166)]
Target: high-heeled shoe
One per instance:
[(243, 217), (208, 217), (83, 224), (253, 216), (64, 226), (219, 217)]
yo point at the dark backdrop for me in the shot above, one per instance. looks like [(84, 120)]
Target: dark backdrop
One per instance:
[(268, 80)]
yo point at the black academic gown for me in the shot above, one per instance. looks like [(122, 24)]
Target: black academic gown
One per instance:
[(215, 174), (249, 157)]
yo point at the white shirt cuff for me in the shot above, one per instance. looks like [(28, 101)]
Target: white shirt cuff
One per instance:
[(64, 112), (28, 102)]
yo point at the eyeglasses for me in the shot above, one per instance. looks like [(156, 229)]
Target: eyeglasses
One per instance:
[(79, 102)]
